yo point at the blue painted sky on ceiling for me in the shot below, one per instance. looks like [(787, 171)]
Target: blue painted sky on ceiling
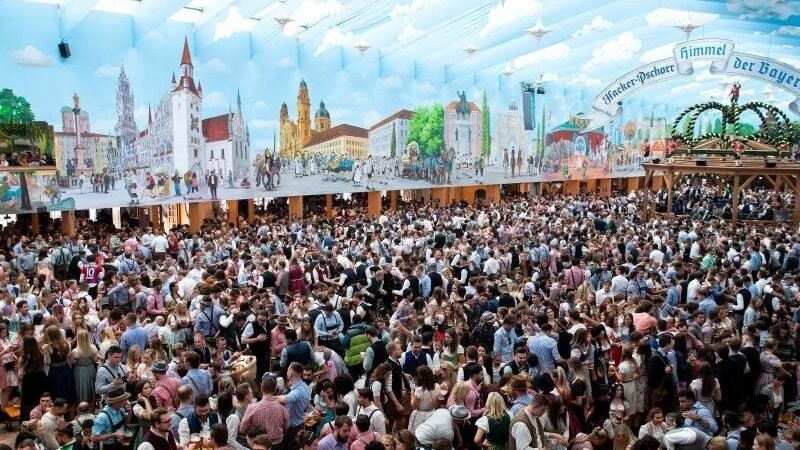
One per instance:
[(367, 59)]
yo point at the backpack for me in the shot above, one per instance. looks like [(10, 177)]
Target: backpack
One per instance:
[(358, 343)]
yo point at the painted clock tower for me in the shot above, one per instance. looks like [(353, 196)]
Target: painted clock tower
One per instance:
[(187, 123)]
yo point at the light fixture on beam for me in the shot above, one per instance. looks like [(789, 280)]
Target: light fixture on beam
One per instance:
[(283, 19), (470, 49), (688, 26), (538, 30), (362, 46), (508, 70)]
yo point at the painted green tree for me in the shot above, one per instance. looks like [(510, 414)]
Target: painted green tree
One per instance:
[(795, 133), (686, 130), (393, 144), (542, 136), (745, 128), (14, 109), (709, 128), (486, 137), (717, 128), (427, 129)]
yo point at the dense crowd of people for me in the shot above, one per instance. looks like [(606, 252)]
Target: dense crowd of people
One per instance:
[(557, 322)]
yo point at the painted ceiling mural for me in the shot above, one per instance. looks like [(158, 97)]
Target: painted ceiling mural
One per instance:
[(188, 100)]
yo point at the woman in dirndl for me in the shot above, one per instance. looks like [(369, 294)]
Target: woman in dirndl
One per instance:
[(297, 279), (494, 425), (424, 397)]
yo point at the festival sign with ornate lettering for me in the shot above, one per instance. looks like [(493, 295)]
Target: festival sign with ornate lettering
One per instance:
[(724, 61)]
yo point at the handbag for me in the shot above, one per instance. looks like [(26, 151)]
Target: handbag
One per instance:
[(657, 395)]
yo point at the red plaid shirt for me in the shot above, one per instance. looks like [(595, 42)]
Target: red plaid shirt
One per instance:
[(270, 415), (166, 392)]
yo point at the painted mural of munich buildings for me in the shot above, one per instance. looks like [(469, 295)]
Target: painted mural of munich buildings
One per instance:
[(462, 128), (99, 153), (176, 138)]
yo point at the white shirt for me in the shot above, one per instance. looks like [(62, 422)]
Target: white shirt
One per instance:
[(619, 284), (439, 425), (684, 436), (407, 245), (691, 290), (186, 286), (232, 423), (576, 327), (147, 240), (196, 275), (429, 361), (351, 399), (657, 257), (694, 250), (160, 244), (523, 436), (377, 421), (184, 433), (601, 295), (491, 266)]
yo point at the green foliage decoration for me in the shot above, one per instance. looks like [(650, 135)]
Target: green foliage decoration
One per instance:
[(427, 129), (777, 131)]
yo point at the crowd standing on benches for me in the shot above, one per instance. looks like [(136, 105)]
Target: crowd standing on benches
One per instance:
[(554, 322)]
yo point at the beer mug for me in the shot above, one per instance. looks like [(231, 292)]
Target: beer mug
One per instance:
[(195, 441), (127, 437)]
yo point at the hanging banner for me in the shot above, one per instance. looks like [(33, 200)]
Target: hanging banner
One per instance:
[(718, 51), (724, 61), (769, 71)]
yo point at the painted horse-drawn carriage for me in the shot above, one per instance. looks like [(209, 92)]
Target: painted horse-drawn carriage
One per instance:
[(268, 170), (412, 166), (436, 168), (337, 168)]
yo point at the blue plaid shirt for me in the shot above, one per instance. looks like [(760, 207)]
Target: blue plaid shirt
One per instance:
[(546, 350), (704, 415), (504, 342)]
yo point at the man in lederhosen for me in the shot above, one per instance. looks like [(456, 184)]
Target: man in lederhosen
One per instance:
[(329, 327), (256, 336), (111, 420)]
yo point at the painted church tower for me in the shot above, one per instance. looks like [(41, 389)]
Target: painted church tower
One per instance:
[(187, 112), (322, 118), (126, 122), (239, 138), (303, 114)]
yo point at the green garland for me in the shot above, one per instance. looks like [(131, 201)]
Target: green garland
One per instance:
[(779, 134)]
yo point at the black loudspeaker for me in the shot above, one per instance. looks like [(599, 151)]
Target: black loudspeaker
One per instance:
[(63, 50)]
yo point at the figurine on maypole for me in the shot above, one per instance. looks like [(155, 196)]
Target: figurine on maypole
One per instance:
[(734, 94)]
